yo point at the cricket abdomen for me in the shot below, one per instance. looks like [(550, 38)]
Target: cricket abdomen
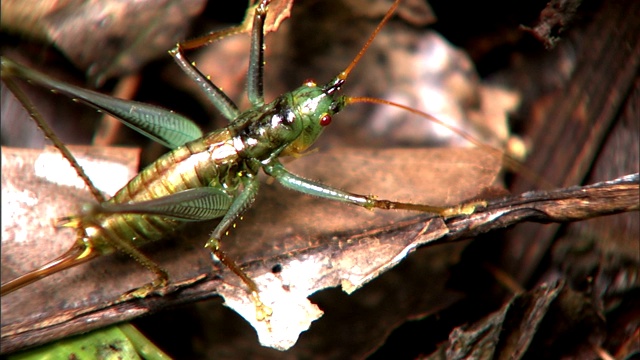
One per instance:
[(201, 163)]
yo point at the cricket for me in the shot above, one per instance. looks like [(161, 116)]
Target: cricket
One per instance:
[(205, 176)]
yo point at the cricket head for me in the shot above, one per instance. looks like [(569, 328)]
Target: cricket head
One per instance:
[(311, 107), (291, 123), (314, 106)]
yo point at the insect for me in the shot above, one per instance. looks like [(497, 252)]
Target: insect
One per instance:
[(206, 176)]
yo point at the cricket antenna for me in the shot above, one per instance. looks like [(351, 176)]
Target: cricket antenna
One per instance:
[(344, 74)]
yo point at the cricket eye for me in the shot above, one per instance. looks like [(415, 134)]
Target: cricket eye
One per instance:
[(325, 120)]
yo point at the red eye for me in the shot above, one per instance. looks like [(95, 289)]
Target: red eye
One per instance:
[(325, 120)]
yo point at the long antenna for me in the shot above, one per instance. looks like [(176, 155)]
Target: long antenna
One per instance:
[(344, 74)]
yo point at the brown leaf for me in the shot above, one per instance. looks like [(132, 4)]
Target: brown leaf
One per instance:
[(282, 225)]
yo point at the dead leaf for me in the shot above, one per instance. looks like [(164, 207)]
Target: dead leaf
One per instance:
[(283, 225)]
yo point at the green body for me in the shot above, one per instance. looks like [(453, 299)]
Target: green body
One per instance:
[(221, 159)]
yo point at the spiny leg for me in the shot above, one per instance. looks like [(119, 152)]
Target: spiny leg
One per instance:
[(255, 89), (124, 245), (297, 183), (218, 98), (48, 132), (256, 55), (256, 64), (214, 36), (239, 205)]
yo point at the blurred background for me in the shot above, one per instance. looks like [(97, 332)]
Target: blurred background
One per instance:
[(554, 84)]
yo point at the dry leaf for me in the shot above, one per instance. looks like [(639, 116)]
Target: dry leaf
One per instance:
[(283, 228)]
